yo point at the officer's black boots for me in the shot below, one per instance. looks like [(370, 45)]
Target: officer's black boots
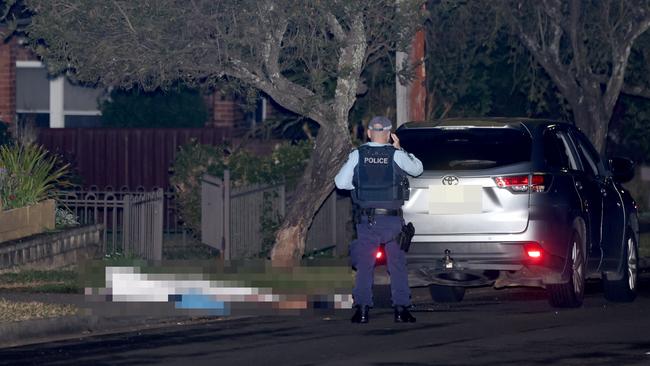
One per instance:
[(403, 315), (360, 314)]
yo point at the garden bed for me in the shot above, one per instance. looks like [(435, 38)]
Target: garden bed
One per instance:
[(26, 221)]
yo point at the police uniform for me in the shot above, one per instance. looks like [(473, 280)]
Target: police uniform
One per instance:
[(374, 172)]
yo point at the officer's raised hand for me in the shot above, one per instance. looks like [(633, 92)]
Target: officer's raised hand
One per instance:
[(395, 141)]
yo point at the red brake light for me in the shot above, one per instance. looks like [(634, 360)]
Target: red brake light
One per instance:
[(379, 254), (533, 251), (521, 183)]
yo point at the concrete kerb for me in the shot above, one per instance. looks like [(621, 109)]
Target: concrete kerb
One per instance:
[(34, 331), (30, 331)]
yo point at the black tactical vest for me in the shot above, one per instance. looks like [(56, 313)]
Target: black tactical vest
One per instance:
[(377, 178)]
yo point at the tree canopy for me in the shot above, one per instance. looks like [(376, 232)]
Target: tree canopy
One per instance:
[(276, 46), (583, 47), (308, 56)]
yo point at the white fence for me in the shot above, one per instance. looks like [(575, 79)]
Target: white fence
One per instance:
[(232, 218)]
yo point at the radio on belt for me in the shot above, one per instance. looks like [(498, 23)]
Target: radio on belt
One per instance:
[(447, 260)]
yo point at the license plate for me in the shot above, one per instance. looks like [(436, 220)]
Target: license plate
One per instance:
[(455, 200)]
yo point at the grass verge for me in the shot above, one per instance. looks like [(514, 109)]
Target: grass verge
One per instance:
[(12, 311), (55, 281)]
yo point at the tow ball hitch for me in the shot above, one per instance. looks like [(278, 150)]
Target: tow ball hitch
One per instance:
[(447, 260)]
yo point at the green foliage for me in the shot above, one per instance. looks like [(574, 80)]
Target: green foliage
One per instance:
[(5, 138), (52, 281), (476, 67), (64, 218), (177, 247), (634, 134), (28, 276), (29, 175), (285, 164), (380, 97), (171, 108)]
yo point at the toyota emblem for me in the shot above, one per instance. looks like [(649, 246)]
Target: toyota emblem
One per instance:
[(450, 180)]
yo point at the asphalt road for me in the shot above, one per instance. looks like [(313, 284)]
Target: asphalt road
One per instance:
[(490, 327)]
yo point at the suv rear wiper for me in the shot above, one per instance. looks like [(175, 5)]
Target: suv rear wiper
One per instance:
[(472, 163)]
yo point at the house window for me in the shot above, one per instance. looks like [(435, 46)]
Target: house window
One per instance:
[(54, 102)]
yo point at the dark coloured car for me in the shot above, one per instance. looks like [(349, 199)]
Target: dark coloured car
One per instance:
[(518, 202)]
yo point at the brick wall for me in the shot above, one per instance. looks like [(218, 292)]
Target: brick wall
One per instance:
[(24, 53), (224, 111), (7, 82)]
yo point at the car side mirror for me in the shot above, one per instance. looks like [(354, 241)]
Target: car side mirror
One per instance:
[(622, 169)]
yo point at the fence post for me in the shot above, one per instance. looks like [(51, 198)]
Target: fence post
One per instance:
[(226, 215), (142, 227), (158, 224), (212, 210), (126, 223)]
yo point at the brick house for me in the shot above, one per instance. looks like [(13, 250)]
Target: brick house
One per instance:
[(28, 93)]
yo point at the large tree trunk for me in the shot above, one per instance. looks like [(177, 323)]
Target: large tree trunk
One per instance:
[(590, 114), (332, 146), (592, 121)]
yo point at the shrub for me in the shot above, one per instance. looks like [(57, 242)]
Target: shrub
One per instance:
[(5, 138), (173, 108), (65, 218), (29, 174), (285, 164)]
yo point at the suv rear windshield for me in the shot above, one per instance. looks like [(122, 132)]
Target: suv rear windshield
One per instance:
[(467, 148)]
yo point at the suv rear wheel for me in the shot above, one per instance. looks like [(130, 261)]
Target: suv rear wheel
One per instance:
[(624, 290), (441, 293), (572, 293)]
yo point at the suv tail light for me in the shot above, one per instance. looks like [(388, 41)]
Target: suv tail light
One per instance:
[(522, 183), (534, 251)]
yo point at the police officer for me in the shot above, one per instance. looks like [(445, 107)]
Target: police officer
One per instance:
[(374, 172)]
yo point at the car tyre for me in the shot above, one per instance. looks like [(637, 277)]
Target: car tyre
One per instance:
[(572, 293), (441, 293), (624, 290)]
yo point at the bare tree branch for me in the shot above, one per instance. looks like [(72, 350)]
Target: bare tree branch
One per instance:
[(335, 27), (637, 91), (6, 9), (273, 42), (351, 62), (620, 58), (126, 17), (290, 95), (575, 33)]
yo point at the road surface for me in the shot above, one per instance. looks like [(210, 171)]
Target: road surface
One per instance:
[(490, 327)]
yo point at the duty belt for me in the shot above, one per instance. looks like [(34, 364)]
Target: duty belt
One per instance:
[(381, 211)]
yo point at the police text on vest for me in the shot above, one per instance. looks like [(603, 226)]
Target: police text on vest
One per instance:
[(370, 160)]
